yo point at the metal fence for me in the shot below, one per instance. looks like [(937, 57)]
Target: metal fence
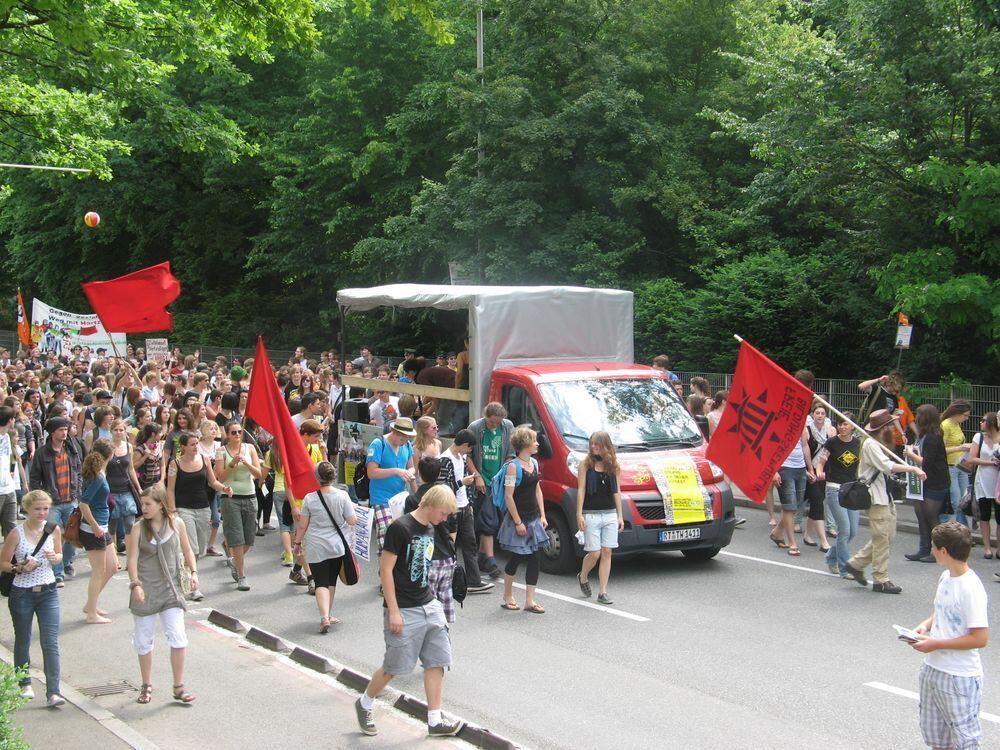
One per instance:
[(844, 394)]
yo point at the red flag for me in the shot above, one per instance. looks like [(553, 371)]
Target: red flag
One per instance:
[(266, 407), (135, 302), (765, 414), (23, 324)]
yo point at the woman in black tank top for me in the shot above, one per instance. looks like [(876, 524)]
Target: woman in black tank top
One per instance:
[(599, 512)]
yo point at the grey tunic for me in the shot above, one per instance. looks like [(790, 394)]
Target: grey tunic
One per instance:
[(159, 570)]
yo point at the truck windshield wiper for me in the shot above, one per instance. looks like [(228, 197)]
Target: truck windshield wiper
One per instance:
[(685, 442), (572, 436), (633, 446)]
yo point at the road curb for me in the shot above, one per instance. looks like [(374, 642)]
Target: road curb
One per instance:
[(403, 702)]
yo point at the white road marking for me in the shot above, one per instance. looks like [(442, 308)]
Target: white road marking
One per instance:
[(916, 696), (779, 564), (591, 605)]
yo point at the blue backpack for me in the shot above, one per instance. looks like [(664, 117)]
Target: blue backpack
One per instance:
[(496, 484)]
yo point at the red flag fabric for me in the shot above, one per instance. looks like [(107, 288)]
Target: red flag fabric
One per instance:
[(136, 302), (23, 324), (266, 407), (765, 414)]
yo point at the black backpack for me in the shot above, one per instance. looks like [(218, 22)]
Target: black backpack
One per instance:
[(362, 483), (459, 585)]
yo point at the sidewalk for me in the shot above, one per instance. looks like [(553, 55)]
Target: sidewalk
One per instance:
[(246, 696)]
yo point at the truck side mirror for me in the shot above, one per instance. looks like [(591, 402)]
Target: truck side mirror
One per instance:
[(544, 447)]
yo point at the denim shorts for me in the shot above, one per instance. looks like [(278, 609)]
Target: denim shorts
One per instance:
[(425, 636), (601, 530), (280, 500)]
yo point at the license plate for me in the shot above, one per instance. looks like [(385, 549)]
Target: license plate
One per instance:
[(679, 535)]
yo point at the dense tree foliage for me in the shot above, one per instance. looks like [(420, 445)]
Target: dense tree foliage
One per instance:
[(794, 172)]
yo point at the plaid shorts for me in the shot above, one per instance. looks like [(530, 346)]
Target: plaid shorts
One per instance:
[(383, 517), (949, 709), (439, 582)]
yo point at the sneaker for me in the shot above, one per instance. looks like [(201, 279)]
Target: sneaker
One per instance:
[(27, 692), (914, 556), (495, 573), (287, 559), (888, 587), (120, 547), (604, 599), (270, 526), (928, 559), (482, 588), (197, 596), (212, 552), (241, 584), (298, 578), (232, 569), (59, 582), (856, 574), (312, 587), (260, 531), (365, 719), (68, 571), (833, 568), (55, 700), (445, 728), (740, 520)]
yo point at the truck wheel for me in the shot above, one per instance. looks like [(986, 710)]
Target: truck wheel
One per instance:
[(560, 555), (701, 554)]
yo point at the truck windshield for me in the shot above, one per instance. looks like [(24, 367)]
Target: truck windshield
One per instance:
[(639, 415)]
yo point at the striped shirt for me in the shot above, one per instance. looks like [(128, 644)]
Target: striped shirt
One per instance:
[(62, 475)]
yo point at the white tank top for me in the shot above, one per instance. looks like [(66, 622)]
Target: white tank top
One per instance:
[(43, 573)]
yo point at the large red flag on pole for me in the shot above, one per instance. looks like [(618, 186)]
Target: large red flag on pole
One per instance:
[(136, 302), (765, 414), (23, 323), (266, 407)]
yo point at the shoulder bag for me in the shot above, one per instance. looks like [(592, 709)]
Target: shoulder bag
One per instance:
[(7, 579), (857, 495), (71, 531), (349, 570)]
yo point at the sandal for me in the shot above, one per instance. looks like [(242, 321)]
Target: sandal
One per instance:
[(584, 586), (772, 523), (324, 625), (824, 549), (509, 605), (145, 694), (535, 609), (794, 552), (180, 695), (778, 542), (809, 543), (988, 556)]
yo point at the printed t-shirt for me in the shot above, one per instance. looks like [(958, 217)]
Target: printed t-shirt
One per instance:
[(842, 463), (492, 444), (413, 544), (959, 604)]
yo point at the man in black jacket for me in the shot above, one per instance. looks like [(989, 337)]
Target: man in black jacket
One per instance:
[(56, 469)]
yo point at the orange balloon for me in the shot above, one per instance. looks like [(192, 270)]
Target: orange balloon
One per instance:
[(91, 219)]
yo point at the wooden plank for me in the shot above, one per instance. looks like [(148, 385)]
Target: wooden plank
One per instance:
[(431, 391)]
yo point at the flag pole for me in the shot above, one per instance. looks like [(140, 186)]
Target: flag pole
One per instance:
[(833, 409)]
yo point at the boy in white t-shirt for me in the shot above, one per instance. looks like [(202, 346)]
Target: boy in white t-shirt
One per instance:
[(951, 678)]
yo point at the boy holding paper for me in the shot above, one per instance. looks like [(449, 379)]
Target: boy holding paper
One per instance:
[(951, 678)]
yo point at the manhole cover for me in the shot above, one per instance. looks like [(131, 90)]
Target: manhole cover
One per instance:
[(108, 688)]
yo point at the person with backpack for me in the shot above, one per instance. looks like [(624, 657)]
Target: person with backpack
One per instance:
[(492, 447), (455, 475), (522, 532), (322, 513), (389, 470), (444, 561)]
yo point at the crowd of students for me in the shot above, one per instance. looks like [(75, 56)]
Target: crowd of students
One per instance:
[(159, 456)]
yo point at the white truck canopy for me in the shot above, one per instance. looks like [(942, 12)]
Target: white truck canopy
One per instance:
[(518, 325)]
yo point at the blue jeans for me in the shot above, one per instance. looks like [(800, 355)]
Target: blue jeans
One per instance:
[(847, 528), (215, 512), (60, 514), (959, 484), (24, 605), (792, 492), (123, 516)]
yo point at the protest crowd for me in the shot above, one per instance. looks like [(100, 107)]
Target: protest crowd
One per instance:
[(165, 470)]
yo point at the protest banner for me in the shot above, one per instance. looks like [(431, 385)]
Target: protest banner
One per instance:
[(362, 532), (157, 350), (59, 331)]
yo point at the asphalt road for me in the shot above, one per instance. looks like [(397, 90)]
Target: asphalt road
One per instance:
[(754, 649)]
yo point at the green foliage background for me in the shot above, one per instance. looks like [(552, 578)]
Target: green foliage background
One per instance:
[(795, 172)]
